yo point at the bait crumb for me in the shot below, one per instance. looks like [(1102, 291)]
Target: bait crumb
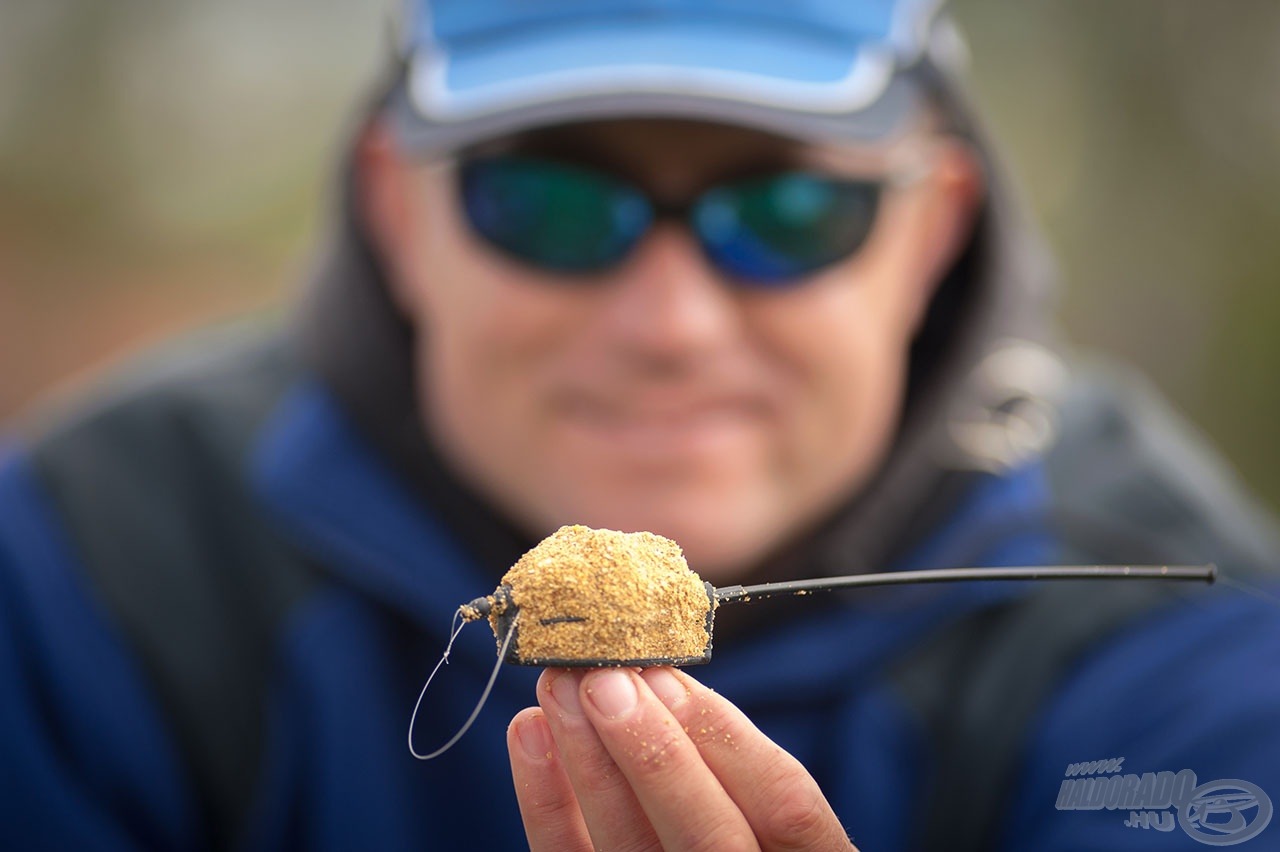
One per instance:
[(588, 594)]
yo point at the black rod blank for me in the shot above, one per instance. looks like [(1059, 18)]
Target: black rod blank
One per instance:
[(735, 594)]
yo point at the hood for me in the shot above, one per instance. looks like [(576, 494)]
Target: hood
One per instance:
[(980, 396)]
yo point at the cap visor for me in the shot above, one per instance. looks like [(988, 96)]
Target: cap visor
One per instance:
[(797, 83)]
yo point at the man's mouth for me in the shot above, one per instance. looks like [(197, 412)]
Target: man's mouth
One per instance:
[(662, 428)]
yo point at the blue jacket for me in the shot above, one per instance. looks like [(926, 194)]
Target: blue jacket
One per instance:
[(286, 647)]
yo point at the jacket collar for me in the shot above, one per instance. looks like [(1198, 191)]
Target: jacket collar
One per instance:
[(345, 505)]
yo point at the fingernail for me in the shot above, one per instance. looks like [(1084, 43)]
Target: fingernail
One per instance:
[(564, 689), (612, 692), (666, 686), (535, 738)]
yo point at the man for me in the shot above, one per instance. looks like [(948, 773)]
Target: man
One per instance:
[(737, 273)]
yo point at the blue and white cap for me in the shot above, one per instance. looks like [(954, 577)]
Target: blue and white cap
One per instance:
[(838, 69)]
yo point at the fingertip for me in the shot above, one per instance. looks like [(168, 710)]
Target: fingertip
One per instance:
[(544, 681), (526, 713), (612, 692), (542, 689), (530, 732), (666, 686)]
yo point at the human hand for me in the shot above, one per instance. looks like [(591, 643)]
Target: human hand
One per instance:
[(617, 759)]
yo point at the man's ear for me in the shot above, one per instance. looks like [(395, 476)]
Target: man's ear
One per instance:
[(952, 196), (382, 186)]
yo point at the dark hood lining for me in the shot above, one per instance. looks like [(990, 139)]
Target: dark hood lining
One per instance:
[(355, 340)]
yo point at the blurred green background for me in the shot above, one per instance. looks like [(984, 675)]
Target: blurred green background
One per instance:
[(165, 165)]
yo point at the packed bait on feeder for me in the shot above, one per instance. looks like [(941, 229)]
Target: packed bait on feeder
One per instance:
[(585, 597), (588, 597)]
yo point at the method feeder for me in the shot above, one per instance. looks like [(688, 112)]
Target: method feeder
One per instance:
[(503, 612), (587, 598)]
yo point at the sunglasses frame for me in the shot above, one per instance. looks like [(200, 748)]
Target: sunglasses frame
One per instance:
[(909, 162)]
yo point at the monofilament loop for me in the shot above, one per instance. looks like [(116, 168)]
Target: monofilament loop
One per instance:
[(484, 696)]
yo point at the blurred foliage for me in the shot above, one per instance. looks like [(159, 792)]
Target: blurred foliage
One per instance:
[(161, 165), (164, 164), (1146, 134)]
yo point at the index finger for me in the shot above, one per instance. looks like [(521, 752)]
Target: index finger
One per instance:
[(673, 792)]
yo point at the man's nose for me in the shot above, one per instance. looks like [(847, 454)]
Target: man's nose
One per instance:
[(667, 302)]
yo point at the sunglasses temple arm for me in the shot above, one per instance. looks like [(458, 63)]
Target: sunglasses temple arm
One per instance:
[(735, 594)]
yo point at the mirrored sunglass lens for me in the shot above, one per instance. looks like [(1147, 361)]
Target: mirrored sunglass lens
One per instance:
[(553, 215), (777, 229)]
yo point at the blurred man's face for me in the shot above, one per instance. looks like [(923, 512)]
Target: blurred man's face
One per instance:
[(655, 396)]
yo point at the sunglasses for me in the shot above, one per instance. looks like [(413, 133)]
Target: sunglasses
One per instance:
[(765, 231)]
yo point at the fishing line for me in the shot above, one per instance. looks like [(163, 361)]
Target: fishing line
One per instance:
[(1249, 589), (459, 622)]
